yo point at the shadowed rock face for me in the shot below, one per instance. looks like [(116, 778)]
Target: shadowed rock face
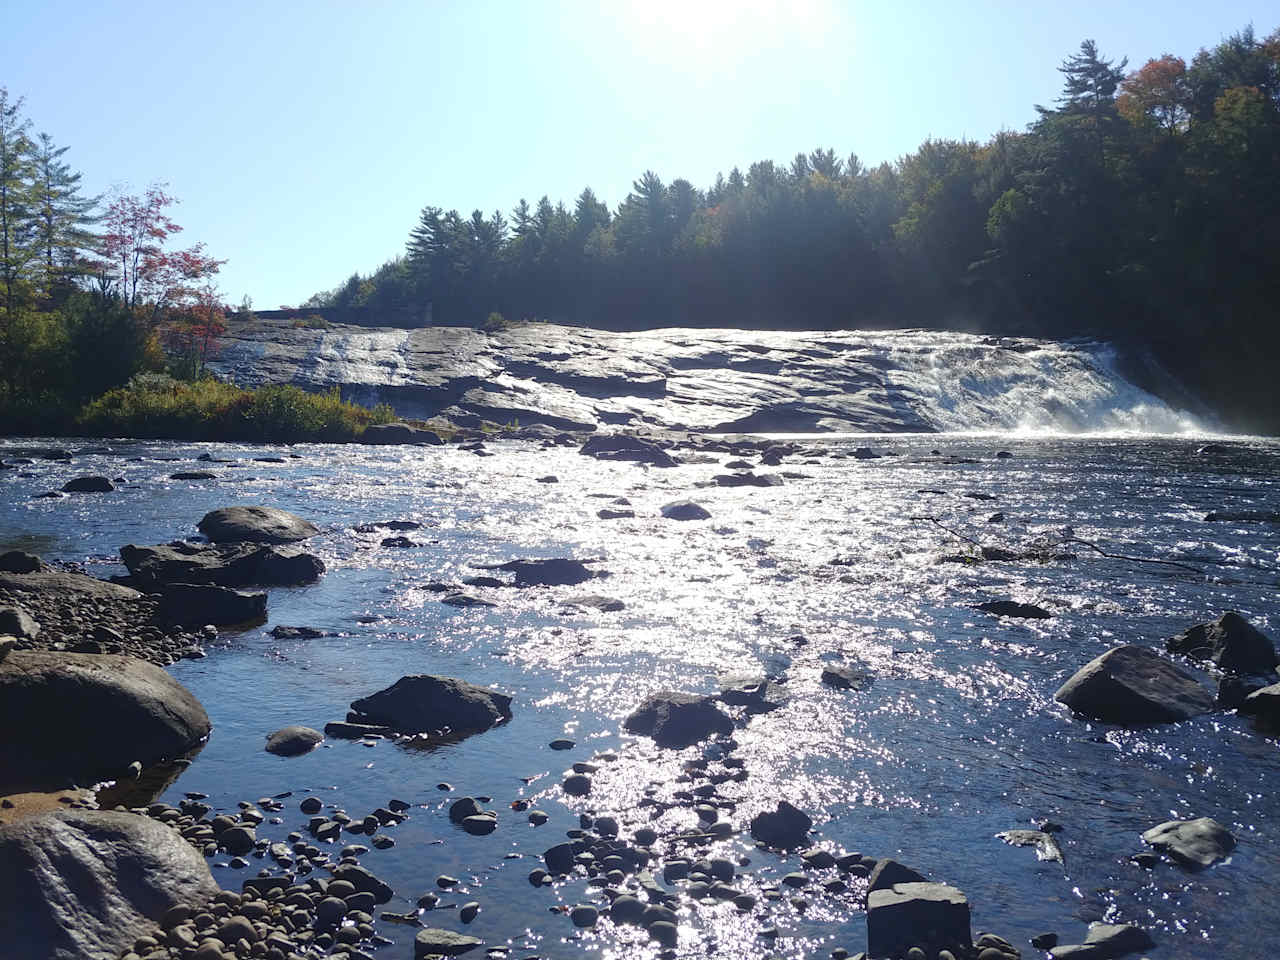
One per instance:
[(87, 884), (1132, 685), (572, 378)]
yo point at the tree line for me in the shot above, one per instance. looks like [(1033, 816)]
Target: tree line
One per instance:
[(92, 290), (1143, 205)]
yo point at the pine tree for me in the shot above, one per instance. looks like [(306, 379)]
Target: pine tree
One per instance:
[(17, 224), (63, 216)]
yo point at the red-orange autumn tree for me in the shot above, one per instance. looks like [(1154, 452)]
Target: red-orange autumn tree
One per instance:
[(1157, 95)]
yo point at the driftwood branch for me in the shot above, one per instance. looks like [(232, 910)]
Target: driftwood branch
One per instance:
[(954, 533)]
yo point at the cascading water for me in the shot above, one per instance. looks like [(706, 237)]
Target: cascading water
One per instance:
[(715, 380)]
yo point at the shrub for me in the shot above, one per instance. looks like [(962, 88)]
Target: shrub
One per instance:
[(155, 406), (313, 322)]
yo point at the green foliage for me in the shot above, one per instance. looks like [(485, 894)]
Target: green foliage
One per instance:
[(160, 407), (313, 322), (494, 323)]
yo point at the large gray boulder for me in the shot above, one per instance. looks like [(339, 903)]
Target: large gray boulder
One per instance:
[(194, 605), (685, 510), (1232, 642), (1133, 685), (1195, 843), (394, 433), (931, 916), (88, 485), (84, 885), (678, 720), (424, 703), (225, 565), (1105, 941), (255, 525), (68, 717)]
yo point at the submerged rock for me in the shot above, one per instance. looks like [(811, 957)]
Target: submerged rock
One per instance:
[(678, 720), (1232, 642), (84, 717), (1133, 685), (553, 572), (931, 916), (846, 678), (424, 703), (253, 524), (88, 884)]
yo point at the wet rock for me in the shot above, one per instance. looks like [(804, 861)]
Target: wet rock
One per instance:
[(466, 600), (401, 542), (193, 605), (281, 632), (577, 785), (685, 510), (846, 678), (786, 826), (1232, 642), (594, 601), (1105, 941), (381, 434), (64, 584), (747, 479), (85, 717), (1263, 704), (225, 565), (621, 447), (88, 485), (424, 703), (757, 694), (192, 475), (907, 915), (16, 561), (343, 730), (626, 909), (887, 872), (462, 808), (607, 514), (999, 553), (363, 881), (1011, 608), (433, 942), (678, 720), (237, 840), (1132, 685), (16, 622), (1045, 845), (584, 915), (559, 859), (293, 741), (254, 524), (115, 874), (1193, 843), (555, 572), (665, 932), (482, 824), (1233, 690)]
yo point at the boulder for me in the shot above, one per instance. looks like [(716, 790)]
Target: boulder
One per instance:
[(433, 942), (685, 510), (620, 447), (16, 622), (424, 703), (846, 678), (1133, 685), (255, 525), (678, 720), (756, 694), (931, 916), (747, 479), (16, 561), (194, 605), (888, 872), (63, 583), (786, 826), (1263, 704), (88, 485), (555, 572), (1105, 941), (293, 741), (1193, 843), (69, 717), (1011, 608), (381, 434), (84, 885), (1231, 641), (225, 565)]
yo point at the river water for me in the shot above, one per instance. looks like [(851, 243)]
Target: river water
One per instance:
[(957, 738)]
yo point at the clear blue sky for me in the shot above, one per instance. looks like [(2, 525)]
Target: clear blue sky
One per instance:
[(304, 137)]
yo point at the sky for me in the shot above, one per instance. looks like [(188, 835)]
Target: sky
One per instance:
[(303, 138)]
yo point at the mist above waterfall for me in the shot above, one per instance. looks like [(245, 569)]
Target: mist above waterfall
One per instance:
[(713, 380)]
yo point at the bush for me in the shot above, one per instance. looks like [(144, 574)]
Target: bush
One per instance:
[(155, 406), (494, 323), (313, 322)]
